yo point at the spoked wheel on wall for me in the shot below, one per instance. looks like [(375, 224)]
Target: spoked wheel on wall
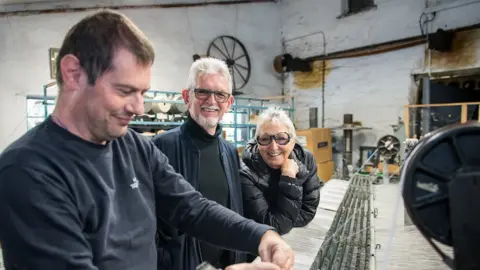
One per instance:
[(233, 52)]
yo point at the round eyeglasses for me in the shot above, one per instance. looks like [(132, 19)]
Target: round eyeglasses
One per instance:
[(204, 94), (282, 138)]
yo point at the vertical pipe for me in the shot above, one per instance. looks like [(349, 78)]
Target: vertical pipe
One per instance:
[(284, 48), (293, 108), (249, 129), (323, 91), (45, 105), (406, 120), (347, 143), (426, 100), (313, 118), (284, 42), (324, 68)]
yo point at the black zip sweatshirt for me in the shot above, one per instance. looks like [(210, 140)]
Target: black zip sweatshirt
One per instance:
[(67, 203)]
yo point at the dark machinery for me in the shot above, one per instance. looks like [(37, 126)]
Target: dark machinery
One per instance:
[(441, 192), (348, 127), (287, 63), (388, 146)]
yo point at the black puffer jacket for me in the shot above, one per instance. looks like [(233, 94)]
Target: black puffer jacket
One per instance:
[(276, 200)]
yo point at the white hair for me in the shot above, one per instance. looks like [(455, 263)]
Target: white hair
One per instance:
[(275, 115), (208, 65)]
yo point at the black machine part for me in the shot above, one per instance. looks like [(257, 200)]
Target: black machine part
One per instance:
[(388, 146), (441, 192)]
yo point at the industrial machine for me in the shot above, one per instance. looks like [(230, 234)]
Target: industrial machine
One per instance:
[(382, 160), (441, 188), (388, 148), (348, 127)]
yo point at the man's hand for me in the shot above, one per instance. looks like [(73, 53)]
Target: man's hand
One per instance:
[(253, 266), (289, 167), (274, 250)]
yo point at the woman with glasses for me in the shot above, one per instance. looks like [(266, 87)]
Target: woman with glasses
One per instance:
[(279, 177)]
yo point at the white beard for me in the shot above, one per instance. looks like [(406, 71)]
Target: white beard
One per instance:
[(209, 122)]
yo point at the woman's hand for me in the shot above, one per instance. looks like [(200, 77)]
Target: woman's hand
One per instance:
[(289, 167)]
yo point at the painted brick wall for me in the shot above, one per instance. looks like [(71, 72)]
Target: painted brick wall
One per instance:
[(373, 88), (177, 34), (392, 19), (353, 84)]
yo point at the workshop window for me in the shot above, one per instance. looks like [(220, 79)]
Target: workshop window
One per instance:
[(355, 6)]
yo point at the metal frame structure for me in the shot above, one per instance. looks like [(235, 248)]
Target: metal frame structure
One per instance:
[(410, 118), (242, 105)]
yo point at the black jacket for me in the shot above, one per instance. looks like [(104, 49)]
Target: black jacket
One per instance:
[(176, 250), (276, 200)]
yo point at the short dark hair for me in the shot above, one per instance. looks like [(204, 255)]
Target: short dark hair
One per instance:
[(95, 39)]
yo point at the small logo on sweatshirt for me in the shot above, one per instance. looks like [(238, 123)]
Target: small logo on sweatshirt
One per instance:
[(134, 185)]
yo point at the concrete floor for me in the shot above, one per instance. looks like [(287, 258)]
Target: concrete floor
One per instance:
[(306, 241), (409, 249)]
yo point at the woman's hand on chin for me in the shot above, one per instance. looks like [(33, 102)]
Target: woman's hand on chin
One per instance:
[(289, 167)]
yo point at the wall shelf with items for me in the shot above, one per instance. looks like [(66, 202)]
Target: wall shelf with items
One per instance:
[(165, 110), (240, 122), (39, 107)]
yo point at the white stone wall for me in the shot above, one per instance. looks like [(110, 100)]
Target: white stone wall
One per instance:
[(177, 34), (372, 88), (391, 20)]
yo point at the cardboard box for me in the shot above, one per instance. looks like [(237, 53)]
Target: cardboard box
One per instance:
[(318, 141), (325, 170)]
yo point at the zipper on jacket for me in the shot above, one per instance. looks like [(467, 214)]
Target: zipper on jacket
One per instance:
[(197, 242), (197, 170)]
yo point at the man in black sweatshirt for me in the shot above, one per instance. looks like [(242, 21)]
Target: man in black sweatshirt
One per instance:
[(82, 191), (211, 164)]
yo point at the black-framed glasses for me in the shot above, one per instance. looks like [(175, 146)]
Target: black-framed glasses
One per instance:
[(281, 138), (204, 94)]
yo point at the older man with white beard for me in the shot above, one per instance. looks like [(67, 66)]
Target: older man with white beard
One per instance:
[(210, 163)]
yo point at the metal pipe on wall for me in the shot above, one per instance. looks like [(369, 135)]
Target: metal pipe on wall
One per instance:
[(284, 42), (347, 138)]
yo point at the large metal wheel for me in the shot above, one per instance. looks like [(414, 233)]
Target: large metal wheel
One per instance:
[(388, 146), (428, 171), (233, 52)]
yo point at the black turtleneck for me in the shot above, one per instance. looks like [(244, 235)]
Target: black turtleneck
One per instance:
[(212, 181)]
